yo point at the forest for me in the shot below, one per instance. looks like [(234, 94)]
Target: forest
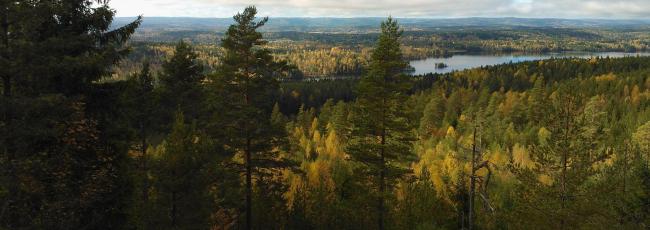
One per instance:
[(316, 54), (217, 136)]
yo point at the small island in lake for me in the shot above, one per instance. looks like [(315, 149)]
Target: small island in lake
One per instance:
[(441, 65)]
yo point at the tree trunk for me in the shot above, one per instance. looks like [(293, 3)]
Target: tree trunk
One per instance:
[(382, 168), (470, 216), (563, 192)]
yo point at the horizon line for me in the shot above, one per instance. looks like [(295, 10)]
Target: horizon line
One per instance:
[(375, 17)]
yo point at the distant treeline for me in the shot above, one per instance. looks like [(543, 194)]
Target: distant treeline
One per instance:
[(334, 54)]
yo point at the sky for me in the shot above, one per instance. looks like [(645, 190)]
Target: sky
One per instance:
[(605, 9)]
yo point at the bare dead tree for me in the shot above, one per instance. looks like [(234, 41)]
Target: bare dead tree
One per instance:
[(478, 163)]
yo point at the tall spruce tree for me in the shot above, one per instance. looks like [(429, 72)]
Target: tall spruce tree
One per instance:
[(245, 86), (183, 179), (180, 84), (139, 105), (61, 141), (381, 132)]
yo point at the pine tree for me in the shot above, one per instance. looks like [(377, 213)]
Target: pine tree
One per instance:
[(181, 84), (639, 203), (420, 206), (381, 138), (244, 88), (183, 178), (557, 186), (59, 139), (140, 105), (537, 102), (65, 46)]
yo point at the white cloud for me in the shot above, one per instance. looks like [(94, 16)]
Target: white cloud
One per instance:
[(624, 9)]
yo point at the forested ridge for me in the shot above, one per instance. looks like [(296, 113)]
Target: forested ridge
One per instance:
[(324, 54), (185, 143)]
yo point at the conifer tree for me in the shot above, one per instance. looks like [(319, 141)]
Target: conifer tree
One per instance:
[(556, 187), (180, 84), (537, 102), (62, 140), (245, 86), (140, 104), (639, 203), (381, 132), (183, 178)]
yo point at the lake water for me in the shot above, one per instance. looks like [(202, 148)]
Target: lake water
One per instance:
[(468, 61)]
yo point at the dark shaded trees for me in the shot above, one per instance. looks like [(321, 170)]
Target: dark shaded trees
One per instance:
[(244, 90), (381, 138), (184, 170), (181, 85), (63, 165), (139, 106)]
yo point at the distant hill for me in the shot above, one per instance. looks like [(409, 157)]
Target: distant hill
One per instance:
[(366, 24)]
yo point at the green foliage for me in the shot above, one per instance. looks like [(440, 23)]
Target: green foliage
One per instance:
[(64, 166), (64, 45), (65, 177), (335, 51), (420, 207), (180, 84), (432, 116), (639, 202), (244, 89), (381, 129), (642, 137), (182, 179), (564, 141), (559, 184)]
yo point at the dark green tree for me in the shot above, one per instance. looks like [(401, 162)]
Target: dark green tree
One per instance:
[(140, 105), (421, 207), (537, 101), (381, 131), (639, 203), (181, 84), (183, 178), (245, 88), (59, 141)]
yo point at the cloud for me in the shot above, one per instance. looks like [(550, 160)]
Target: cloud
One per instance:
[(623, 9)]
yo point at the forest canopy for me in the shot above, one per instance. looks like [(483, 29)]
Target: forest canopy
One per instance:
[(224, 135)]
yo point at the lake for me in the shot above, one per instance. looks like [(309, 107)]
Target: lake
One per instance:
[(468, 61)]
